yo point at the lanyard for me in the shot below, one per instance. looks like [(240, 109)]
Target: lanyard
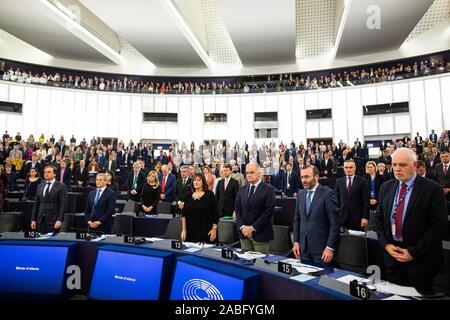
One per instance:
[(399, 201)]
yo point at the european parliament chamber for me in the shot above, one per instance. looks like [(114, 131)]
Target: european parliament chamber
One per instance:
[(208, 150)]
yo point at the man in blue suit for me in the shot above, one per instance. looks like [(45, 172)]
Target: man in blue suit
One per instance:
[(276, 179), (100, 206), (255, 204), (316, 220), (167, 182)]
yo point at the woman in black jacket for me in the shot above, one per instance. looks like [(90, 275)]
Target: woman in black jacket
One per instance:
[(375, 181), (199, 215), (150, 194)]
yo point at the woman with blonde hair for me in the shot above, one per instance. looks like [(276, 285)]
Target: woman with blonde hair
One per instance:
[(150, 195), (375, 181)]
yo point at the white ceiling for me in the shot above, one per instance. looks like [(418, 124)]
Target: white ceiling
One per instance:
[(27, 20), (260, 34), (263, 31), (147, 27), (397, 19)]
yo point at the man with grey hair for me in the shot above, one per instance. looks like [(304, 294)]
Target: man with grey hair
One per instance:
[(411, 222), (135, 182), (168, 182), (255, 204), (100, 206)]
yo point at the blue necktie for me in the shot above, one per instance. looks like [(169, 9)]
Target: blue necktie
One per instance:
[(308, 202), (250, 194), (97, 196)]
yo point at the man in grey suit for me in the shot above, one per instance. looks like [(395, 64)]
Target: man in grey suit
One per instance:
[(316, 220), (50, 203)]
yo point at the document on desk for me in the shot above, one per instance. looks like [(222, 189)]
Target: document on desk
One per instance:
[(45, 236), (356, 233), (348, 278), (302, 277), (387, 287), (396, 297), (102, 237), (302, 267), (197, 245), (153, 239), (250, 255)]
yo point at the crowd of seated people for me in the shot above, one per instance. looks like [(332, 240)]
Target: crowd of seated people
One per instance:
[(77, 163), (271, 83)]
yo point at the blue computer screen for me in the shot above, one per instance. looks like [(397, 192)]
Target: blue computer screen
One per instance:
[(196, 283), (32, 269), (125, 276)]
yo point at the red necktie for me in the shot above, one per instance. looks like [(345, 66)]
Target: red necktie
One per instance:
[(163, 187), (399, 211), (445, 169)]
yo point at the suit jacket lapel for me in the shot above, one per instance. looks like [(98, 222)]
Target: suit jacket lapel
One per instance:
[(417, 188), (315, 197), (390, 201)]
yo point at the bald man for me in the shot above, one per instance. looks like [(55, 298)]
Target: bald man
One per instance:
[(411, 222), (255, 204)]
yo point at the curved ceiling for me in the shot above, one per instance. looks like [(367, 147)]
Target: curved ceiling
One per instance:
[(200, 37)]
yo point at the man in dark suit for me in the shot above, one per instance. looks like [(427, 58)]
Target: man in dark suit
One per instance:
[(385, 158), (135, 182), (167, 182), (411, 222), (100, 206), (100, 158), (315, 162), (255, 204), (353, 196), (327, 166), (277, 179), (418, 139), (433, 136), (316, 219), (421, 170), (162, 158), (64, 174), (111, 164), (444, 145), (50, 204), (81, 175), (183, 186), (226, 192), (34, 163), (290, 182), (431, 163), (442, 172)]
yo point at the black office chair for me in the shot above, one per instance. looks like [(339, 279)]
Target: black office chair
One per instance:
[(441, 283), (352, 253), (164, 208), (173, 230), (227, 231), (9, 222), (282, 243), (67, 224), (123, 223), (371, 226)]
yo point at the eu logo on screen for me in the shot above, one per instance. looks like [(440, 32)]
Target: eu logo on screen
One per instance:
[(199, 289)]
